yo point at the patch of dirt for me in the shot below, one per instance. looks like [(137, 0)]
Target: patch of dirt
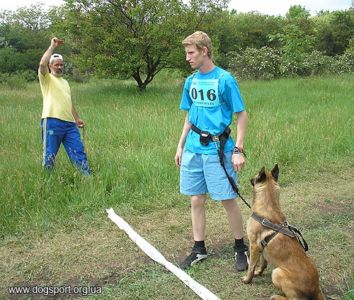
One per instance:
[(329, 209)]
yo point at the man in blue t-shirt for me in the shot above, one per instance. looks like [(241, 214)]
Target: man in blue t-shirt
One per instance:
[(210, 98)]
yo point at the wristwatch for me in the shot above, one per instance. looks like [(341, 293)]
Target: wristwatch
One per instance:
[(238, 150)]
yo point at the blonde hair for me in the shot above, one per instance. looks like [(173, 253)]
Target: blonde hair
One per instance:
[(200, 39)]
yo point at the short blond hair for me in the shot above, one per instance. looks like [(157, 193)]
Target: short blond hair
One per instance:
[(200, 39)]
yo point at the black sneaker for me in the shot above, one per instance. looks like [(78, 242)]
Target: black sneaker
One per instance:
[(241, 258), (198, 254)]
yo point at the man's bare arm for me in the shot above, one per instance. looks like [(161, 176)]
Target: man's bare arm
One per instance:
[(43, 64)]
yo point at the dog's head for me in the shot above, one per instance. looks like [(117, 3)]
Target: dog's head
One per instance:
[(265, 188), (264, 176)]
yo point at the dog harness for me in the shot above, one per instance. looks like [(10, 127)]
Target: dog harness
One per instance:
[(205, 138), (283, 228)]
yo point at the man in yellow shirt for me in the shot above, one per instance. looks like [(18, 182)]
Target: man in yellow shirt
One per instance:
[(60, 120)]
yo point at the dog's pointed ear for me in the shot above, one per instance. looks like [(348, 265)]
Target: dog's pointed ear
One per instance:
[(275, 172), (262, 176)]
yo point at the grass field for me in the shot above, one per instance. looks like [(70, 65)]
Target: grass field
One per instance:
[(53, 226)]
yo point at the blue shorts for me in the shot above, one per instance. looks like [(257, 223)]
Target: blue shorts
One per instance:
[(203, 173)]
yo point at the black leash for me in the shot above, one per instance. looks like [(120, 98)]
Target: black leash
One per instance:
[(233, 184), (291, 231), (205, 138), (299, 237)]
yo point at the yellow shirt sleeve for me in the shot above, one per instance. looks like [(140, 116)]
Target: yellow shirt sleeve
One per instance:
[(56, 97)]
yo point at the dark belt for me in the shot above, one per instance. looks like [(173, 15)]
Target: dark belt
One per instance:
[(206, 138)]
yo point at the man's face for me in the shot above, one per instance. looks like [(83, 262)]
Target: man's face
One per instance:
[(195, 56), (57, 67)]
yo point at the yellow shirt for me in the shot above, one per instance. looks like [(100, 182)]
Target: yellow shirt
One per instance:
[(56, 97)]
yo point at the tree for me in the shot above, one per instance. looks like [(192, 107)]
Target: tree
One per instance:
[(297, 11), (334, 31), (233, 32), (252, 30), (296, 39), (23, 38), (342, 26), (130, 38), (296, 45)]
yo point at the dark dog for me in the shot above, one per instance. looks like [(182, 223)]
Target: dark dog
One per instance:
[(295, 274)]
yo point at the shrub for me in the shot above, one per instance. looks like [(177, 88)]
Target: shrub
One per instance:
[(263, 63), (18, 80), (13, 81), (343, 64), (350, 49), (317, 63), (290, 67), (78, 76), (267, 63), (28, 75)]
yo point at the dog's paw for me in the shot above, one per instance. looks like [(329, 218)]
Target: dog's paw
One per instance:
[(246, 280), (258, 273)]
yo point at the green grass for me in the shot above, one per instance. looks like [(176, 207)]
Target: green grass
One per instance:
[(305, 125)]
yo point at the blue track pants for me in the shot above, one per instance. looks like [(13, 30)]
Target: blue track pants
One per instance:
[(55, 132)]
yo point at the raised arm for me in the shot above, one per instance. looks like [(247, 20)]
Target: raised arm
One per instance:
[(43, 64)]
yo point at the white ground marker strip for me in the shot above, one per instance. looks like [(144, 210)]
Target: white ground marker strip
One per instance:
[(152, 252)]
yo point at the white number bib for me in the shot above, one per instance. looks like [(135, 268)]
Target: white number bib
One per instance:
[(204, 92)]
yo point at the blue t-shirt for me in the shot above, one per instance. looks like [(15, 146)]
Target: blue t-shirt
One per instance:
[(211, 100)]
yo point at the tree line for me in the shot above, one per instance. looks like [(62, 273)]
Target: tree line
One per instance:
[(138, 38)]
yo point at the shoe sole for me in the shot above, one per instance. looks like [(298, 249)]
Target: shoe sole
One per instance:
[(199, 258)]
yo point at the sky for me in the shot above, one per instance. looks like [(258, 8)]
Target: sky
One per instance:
[(270, 7)]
